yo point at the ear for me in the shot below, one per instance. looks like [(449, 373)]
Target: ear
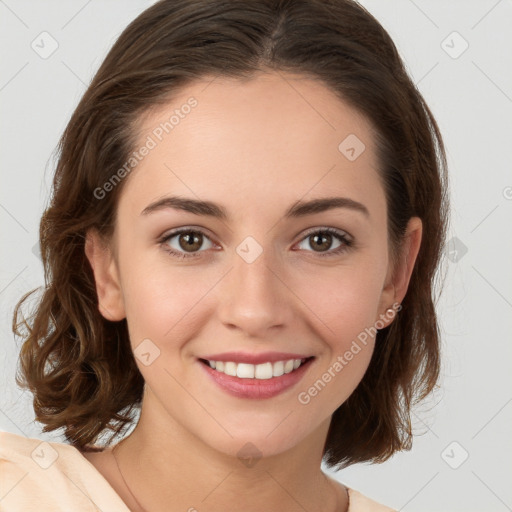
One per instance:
[(106, 276), (397, 279)]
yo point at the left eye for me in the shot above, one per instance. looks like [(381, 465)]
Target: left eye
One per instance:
[(189, 242), (320, 236)]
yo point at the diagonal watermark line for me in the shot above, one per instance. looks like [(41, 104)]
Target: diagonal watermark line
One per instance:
[(417, 417), (424, 13), (198, 302), (334, 128), (13, 422), (13, 279), (286, 491), (401, 508), (3, 3), (76, 14), (492, 81), (428, 72), (217, 486), (508, 508), (209, 83), (508, 401), (14, 218), (199, 403), (491, 9), (84, 493), (300, 299), (11, 405), (484, 218), (267, 266), (491, 286), (74, 73), (14, 76), (280, 423), (5, 495)]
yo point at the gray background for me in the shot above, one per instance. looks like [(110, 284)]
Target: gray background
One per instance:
[(470, 93)]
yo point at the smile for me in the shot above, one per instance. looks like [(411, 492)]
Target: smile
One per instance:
[(256, 381), (261, 371)]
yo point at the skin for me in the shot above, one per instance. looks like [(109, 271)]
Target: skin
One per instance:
[(254, 147)]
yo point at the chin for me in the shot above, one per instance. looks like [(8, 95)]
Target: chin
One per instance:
[(255, 438), (249, 449)]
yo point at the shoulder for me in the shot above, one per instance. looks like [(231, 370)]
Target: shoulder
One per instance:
[(44, 476), (358, 502)]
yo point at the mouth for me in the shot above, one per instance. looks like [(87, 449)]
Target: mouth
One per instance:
[(262, 371), (256, 381)]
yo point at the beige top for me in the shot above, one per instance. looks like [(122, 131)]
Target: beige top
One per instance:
[(42, 476)]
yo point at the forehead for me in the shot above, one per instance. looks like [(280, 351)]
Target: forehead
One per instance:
[(276, 133)]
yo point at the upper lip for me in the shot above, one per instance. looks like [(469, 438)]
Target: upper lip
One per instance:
[(245, 357)]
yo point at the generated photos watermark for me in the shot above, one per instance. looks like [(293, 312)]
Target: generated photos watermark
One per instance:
[(304, 397), (157, 135)]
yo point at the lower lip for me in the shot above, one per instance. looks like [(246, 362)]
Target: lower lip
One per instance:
[(257, 388)]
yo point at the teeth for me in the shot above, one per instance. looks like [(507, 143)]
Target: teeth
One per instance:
[(256, 371), (278, 369), (289, 366), (263, 371), (245, 371), (230, 368)]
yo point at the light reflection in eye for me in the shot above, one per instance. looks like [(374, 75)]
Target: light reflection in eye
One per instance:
[(198, 236)]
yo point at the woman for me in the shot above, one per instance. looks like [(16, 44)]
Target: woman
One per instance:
[(247, 216)]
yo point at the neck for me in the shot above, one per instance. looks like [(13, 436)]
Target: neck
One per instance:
[(172, 470)]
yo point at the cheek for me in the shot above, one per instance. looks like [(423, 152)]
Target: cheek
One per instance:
[(343, 311), (344, 300), (161, 300), (349, 339)]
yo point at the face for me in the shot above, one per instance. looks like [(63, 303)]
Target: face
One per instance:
[(267, 281)]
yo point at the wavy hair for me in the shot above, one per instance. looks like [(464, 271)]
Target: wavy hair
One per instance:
[(78, 365)]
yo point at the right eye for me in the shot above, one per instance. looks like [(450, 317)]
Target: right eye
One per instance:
[(187, 240)]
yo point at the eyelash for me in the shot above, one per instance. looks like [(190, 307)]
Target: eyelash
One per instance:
[(347, 243)]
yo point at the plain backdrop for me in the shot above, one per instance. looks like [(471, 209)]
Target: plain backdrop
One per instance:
[(459, 55)]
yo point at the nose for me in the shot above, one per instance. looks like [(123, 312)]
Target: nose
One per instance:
[(253, 297)]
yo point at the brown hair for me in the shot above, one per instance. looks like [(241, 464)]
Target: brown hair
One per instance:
[(80, 366)]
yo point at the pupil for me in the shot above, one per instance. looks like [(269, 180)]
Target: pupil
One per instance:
[(190, 240), (322, 237)]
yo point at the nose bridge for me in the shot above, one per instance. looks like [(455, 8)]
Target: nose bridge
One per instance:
[(252, 296)]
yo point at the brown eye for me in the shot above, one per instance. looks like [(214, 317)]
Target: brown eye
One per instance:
[(190, 241), (179, 243), (321, 241)]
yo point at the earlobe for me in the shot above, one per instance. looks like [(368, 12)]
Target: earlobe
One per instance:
[(398, 280), (106, 277)]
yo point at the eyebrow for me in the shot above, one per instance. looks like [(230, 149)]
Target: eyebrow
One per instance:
[(296, 210)]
